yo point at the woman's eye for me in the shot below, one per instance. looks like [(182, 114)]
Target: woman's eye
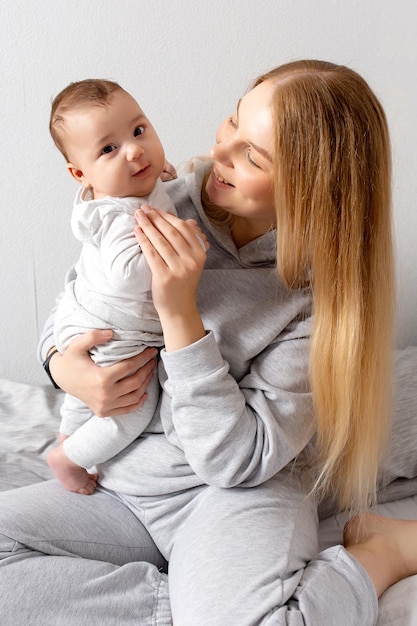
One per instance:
[(232, 122), (108, 149), (139, 130), (251, 161)]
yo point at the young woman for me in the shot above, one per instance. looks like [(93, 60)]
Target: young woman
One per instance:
[(296, 207)]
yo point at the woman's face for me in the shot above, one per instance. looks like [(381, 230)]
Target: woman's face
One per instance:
[(241, 180)]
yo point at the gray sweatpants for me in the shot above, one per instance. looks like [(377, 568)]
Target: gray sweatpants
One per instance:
[(237, 557)]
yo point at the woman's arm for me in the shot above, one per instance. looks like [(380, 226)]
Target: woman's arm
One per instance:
[(107, 391), (176, 258), (239, 432), (233, 431)]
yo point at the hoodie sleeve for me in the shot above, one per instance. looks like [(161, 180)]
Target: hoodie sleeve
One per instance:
[(46, 339), (239, 432)]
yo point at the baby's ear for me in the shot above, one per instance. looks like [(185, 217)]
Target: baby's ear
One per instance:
[(77, 174)]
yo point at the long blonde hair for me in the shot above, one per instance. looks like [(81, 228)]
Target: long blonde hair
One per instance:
[(333, 203), (332, 166)]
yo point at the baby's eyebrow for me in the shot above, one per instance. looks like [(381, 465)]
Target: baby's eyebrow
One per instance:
[(140, 118), (104, 140)]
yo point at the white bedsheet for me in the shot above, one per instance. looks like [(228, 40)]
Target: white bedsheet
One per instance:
[(29, 419)]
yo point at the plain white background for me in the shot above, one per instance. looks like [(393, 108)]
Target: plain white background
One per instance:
[(187, 62)]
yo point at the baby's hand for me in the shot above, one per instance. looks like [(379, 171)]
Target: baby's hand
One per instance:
[(169, 172)]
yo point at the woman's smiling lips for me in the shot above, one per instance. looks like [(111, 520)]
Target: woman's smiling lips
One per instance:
[(219, 180)]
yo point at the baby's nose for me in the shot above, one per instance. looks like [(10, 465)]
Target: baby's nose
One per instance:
[(134, 151)]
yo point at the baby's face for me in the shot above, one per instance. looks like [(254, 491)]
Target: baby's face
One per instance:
[(114, 148)]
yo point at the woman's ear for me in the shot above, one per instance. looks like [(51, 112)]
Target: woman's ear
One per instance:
[(76, 173)]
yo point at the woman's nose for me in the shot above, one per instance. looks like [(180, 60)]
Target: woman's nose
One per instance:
[(222, 152)]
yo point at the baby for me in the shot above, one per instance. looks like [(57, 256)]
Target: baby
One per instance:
[(113, 151)]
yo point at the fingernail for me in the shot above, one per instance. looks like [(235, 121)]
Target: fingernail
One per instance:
[(145, 208)]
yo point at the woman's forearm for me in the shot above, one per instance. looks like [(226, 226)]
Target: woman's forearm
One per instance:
[(182, 330), (175, 251)]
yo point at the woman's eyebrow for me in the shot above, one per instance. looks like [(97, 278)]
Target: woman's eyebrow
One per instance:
[(261, 151)]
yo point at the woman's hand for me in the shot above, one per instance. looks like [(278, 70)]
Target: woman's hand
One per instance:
[(175, 251), (107, 391)]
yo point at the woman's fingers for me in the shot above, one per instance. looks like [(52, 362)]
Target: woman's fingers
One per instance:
[(83, 343), (130, 400), (107, 391), (169, 235), (130, 371), (121, 388)]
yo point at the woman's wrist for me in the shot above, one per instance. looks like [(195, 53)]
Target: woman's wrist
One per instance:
[(182, 330), (53, 350)]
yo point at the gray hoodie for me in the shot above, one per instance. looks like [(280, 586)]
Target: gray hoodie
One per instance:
[(236, 406)]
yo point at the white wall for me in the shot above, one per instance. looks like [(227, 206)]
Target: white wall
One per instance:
[(187, 61)]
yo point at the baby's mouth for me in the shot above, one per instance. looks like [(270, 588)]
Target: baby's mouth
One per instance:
[(139, 172)]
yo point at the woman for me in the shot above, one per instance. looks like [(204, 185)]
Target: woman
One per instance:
[(227, 475)]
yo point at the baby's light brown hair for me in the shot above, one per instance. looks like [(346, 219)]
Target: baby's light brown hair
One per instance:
[(89, 92)]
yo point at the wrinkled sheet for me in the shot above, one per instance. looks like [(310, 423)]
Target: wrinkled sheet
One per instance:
[(29, 420)]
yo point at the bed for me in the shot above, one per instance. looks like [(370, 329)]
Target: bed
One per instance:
[(29, 419)]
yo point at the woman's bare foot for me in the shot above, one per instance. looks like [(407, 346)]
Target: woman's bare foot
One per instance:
[(385, 547), (72, 477)]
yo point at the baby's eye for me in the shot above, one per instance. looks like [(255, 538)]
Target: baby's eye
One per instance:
[(139, 130), (108, 149)]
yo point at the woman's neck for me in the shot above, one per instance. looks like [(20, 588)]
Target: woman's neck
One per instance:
[(244, 232)]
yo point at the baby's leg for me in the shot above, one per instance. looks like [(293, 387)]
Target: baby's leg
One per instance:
[(70, 475), (102, 438)]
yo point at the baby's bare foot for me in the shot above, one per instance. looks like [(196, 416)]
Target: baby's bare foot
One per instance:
[(70, 475), (387, 548)]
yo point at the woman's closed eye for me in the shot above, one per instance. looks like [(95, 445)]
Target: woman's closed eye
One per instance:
[(251, 161)]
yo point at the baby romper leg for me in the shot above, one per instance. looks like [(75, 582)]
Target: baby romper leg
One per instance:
[(71, 559), (249, 556), (100, 438)]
